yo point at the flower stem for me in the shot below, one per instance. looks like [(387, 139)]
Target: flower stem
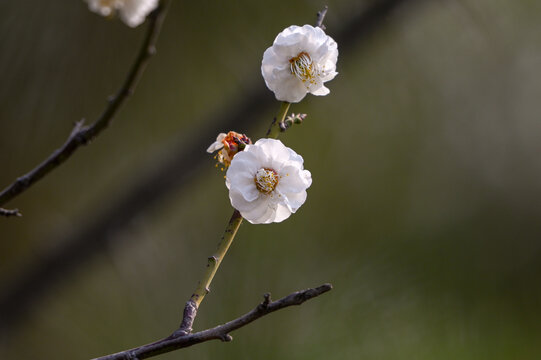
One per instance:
[(274, 129), (216, 259), (203, 287)]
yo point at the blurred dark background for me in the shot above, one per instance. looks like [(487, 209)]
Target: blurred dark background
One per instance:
[(424, 212)]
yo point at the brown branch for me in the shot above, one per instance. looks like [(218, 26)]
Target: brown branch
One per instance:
[(81, 134), (183, 163), (10, 212), (221, 332)]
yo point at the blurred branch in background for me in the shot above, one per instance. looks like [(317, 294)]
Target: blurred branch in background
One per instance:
[(9, 212), (182, 164), (221, 332), (82, 135)]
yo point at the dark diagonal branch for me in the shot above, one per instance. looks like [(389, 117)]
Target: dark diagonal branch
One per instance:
[(175, 171), (82, 134), (220, 332)]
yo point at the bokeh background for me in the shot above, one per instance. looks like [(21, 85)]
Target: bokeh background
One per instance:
[(424, 212)]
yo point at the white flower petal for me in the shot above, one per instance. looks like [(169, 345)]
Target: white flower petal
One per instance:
[(273, 213), (295, 201), (288, 88), (132, 12), (306, 50), (249, 191), (241, 204), (282, 213), (321, 91), (259, 214), (293, 180), (247, 161), (274, 203), (276, 151), (295, 159), (217, 145)]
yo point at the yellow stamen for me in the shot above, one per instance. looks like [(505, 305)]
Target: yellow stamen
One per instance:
[(304, 68), (266, 180)]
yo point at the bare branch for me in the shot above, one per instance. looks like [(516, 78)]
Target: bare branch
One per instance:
[(81, 134), (221, 332), (10, 212)]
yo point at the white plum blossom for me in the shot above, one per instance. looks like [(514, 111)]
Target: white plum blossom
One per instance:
[(267, 182), (218, 144), (132, 12), (299, 61)]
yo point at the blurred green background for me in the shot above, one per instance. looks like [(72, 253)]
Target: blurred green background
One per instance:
[(424, 211)]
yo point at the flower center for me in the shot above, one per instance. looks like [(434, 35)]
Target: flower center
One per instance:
[(266, 180), (304, 68), (108, 3)]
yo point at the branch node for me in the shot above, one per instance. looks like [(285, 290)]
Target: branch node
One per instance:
[(79, 133), (178, 333), (226, 338), (81, 138), (151, 50), (266, 300), (23, 181), (77, 126), (190, 312)]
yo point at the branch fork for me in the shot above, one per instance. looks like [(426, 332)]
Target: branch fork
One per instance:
[(179, 339)]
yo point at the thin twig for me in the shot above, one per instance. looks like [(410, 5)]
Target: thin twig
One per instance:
[(221, 332), (10, 212), (321, 16), (183, 163), (81, 134), (274, 129)]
